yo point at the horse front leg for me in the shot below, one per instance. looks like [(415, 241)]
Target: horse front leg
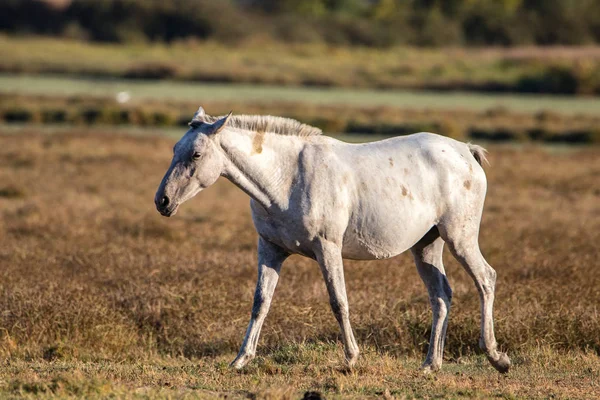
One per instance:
[(329, 256), (270, 259)]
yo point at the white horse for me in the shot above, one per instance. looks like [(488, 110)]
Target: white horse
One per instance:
[(329, 200)]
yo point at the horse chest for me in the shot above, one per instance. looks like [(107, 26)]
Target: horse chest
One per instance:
[(287, 232)]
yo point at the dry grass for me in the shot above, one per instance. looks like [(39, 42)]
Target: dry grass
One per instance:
[(100, 295)]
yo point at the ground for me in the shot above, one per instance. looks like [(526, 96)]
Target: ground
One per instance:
[(101, 296)]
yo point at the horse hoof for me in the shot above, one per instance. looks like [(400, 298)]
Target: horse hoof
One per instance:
[(502, 364), (351, 360), (428, 369)]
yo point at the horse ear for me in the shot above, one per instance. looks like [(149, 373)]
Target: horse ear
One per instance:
[(218, 125), (198, 119), (200, 113)]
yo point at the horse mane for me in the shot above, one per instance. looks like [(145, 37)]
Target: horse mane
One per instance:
[(262, 123)]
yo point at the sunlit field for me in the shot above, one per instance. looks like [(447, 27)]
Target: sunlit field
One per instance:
[(100, 295)]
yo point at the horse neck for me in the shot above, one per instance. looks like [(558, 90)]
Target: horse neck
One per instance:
[(263, 165)]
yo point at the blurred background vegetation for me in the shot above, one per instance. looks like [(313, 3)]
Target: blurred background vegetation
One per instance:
[(526, 70), (379, 23)]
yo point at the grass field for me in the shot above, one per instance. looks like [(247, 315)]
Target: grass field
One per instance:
[(567, 70), (101, 296), (248, 93)]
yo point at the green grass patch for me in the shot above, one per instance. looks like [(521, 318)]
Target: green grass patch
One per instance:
[(201, 93)]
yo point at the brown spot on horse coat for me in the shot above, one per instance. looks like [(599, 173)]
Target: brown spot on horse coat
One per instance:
[(405, 192), (257, 142), (391, 161), (467, 185)]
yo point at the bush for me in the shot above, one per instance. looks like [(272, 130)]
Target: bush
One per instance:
[(537, 134), (572, 137), (492, 134), (18, 115), (554, 79), (90, 115), (54, 116), (160, 118), (116, 116)]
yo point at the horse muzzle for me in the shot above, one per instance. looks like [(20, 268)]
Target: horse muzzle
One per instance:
[(165, 206)]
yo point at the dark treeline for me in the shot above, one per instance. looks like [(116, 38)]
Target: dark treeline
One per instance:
[(342, 22)]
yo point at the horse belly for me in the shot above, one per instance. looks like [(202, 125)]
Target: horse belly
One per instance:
[(385, 233)]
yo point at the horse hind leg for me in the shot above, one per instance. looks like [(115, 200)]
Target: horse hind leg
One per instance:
[(428, 258), (462, 239)]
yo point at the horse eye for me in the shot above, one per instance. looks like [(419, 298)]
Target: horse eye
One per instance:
[(196, 156)]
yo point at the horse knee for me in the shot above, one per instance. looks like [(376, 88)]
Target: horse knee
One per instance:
[(491, 275), (440, 307), (488, 281)]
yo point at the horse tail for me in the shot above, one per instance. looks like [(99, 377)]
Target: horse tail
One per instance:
[(479, 153)]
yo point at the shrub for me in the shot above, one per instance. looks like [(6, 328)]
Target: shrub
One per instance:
[(160, 118), (18, 115), (573, 137), (554, 79), (492, 134), (116, 116), (537, 134), (90, 115), (56, 116)]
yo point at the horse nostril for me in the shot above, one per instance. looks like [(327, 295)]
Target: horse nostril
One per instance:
[(164, 201)]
